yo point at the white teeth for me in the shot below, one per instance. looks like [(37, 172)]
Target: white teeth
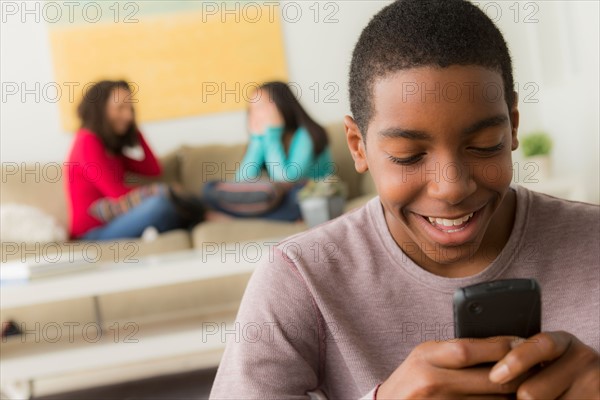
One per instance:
[(450, 222)]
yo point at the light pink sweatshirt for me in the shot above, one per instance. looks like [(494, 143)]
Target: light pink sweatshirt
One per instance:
[(339, 307)]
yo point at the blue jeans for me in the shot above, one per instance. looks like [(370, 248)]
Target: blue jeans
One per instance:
[(287, 210), (157, 211)]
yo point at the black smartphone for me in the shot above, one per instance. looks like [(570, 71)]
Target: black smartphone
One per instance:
[(509, 307)]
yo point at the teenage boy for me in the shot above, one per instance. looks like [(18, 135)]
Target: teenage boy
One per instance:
[(362, 305)]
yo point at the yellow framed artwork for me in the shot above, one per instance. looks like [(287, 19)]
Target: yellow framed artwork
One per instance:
[(182, 58)]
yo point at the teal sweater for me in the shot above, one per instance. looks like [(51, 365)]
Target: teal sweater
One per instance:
[(267, 151)]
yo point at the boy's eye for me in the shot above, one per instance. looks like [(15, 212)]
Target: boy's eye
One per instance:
[(407, 161), (488, 150), (418, 157)]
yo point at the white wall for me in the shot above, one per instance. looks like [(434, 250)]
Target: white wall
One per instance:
[(558, 55), (317, 53)]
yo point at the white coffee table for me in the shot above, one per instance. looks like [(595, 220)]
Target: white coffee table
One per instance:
[(184, 342)]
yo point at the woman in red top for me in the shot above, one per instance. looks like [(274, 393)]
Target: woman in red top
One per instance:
[(96, 167)]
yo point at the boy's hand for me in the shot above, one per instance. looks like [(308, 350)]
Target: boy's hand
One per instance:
[(450, 370), (571, 370)]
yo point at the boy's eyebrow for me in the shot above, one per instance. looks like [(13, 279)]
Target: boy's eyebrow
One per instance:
[(421, 135), (404, 133), (496, 120)]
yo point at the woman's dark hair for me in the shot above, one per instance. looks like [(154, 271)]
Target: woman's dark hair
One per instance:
[(294, 115), (92, 113)]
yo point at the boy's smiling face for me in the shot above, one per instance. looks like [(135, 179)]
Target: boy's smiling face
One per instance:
[(439, 148)]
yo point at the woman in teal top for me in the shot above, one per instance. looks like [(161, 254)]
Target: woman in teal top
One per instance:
[(267, 151), (284, 139), (286, 145)]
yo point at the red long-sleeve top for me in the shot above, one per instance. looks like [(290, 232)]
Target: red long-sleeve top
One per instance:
[(93, 173)]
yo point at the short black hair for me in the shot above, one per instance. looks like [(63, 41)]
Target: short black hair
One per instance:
[(417, 33)]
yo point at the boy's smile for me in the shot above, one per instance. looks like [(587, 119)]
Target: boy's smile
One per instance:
[(449, 231), (438, 146)]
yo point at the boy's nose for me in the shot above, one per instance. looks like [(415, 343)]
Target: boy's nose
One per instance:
[(452, 183)]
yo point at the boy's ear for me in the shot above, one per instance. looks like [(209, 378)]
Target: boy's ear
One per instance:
[(356, 145), (514, 122)]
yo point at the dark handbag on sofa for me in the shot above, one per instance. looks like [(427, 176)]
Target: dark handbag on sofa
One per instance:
[(245, 199)]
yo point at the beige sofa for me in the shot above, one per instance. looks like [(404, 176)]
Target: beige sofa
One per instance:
[(38, 185)]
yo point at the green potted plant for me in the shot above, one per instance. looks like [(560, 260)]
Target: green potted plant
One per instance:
[(322, 200), (537, 147)]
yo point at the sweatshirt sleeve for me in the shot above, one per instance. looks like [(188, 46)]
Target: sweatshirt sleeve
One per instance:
[(252, 163), (296, 163), (148, 166), (102, 168), (275, 353)]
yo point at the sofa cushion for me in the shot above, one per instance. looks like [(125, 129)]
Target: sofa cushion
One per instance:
[(358, 202), (169, 164), (166, 242), (344, 164), (39, 185), (124, 250), (23, 223), (200, 164), (207, 235)]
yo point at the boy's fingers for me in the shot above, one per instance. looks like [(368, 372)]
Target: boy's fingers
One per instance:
[(466, 352), (549, 382), (587, 388), (545, 346), (575, 374), (476, 381)]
